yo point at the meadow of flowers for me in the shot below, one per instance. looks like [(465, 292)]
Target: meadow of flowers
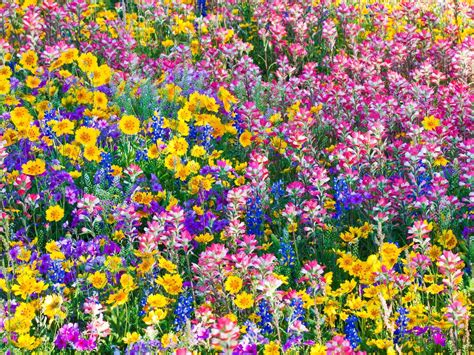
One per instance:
[(236, 177)]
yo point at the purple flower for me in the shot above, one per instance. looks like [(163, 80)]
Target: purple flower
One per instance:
[(439, 339)]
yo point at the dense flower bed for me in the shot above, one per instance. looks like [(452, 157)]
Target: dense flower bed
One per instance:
[(236, 176)]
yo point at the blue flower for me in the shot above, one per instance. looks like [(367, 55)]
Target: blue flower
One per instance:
[(254, 217), (266, 317), (183, 310), (350, 330), (401, 322)]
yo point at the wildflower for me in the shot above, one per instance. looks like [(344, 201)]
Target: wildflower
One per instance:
[(117, 299), (129, 124), (172, 283), (350, 330), (52, 307), (233, 284), (127, 283), (227, 98), (266, 317), (272, 348), (198, 151), (177, 146), (4, 86), (54, 213), (29, 60), (92, 153), (157, 301), (338, 345), (245, 139), (131, 338), (225, 335), (244, 300), (63, 127), (204, 238), (21, 118), (87, 62), (32, 82), (87, 136), (167, 265), (113, 263), (183, 311), (34, 167), (28, 342), (98, 280), (318, 349), (430, 123)]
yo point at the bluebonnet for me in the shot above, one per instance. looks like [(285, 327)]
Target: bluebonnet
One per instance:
[(350, 330), (56, 273), (106, 165), (141, 155), (205, 137), (423, 181), (183, 310), (266, 317), (277, 190), (48, 116), (401, 322), (298, 310), (254, 216), (202, 8), (341, 190), (158, 130), (287, 253), (239, 124)]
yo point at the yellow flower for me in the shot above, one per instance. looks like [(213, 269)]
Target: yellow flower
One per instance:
[(440, 161), (167, 265), (4, 86), (245, 139), (28, 342), (172, 284), (390, 253), (127, 282), (113, 263), (233, 284), (87, 62), (98, 280), (29, 60), (69, 56), (131, 338), (21, 117), (204, 238), (117, 299), (63, 127), (101, 75), (167, 43), (34, 167), (272, 348), (244, 300), (318, 349), (87, 135), (32, 82), (52, 306), (92, 153), (100, 100), (227, 98), (157, 301), (54, 213), (177, 146), (129, 124), (27, 285), (430, 123), (155, 316)]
